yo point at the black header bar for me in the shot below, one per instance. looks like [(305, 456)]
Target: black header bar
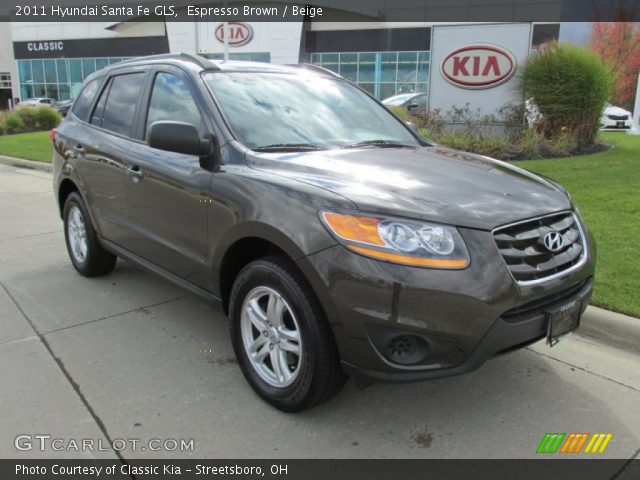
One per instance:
[(323, 10)]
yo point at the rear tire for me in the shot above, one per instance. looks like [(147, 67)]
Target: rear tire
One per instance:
[(281, 338), (88, 257)]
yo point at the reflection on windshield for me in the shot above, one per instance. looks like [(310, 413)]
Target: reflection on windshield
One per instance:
[(266, 109)]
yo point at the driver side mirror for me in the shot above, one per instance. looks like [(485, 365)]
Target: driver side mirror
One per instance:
[(412, 127), (178, 137)]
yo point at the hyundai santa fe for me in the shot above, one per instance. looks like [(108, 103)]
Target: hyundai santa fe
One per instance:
[(338, 241)]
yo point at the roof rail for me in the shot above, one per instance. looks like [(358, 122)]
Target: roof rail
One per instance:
[(198, 60), (316, 68)]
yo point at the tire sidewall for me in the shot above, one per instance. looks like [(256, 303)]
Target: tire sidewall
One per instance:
[(263, 273), (74, 199)]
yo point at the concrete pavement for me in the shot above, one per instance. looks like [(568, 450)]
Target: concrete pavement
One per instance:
[(130, 356)]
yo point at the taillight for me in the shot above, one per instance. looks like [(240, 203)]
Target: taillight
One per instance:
[(52, 135)]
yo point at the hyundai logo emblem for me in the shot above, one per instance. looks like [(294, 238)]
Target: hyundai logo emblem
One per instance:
[(553, 241)]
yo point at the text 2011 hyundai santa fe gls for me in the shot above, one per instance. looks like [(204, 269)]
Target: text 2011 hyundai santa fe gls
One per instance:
[(338, 241)]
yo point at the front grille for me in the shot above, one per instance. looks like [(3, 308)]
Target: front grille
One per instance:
[(528, 259), (618, 117)]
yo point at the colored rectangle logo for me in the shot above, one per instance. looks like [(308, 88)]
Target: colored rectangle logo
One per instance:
[(574, 443)]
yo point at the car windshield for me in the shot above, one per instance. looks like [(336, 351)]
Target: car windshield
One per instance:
[(270, 111)]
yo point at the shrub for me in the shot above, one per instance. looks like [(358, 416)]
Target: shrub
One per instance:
[(13, 123), (570, 85), (39, 117)]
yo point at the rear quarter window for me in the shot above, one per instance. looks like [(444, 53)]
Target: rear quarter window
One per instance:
[(84, 101)]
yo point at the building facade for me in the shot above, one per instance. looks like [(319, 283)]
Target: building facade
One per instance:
[(384, 58)]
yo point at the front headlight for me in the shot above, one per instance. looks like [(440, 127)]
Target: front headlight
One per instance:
[(415, 243)]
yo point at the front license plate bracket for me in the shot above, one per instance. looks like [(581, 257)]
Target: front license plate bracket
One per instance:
[(562, 320)]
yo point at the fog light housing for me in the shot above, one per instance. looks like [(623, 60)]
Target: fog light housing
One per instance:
[(407, 350)]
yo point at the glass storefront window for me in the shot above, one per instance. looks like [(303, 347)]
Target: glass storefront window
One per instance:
[(50, 74), (366, 67), (349, 66), (26, 91), (75, 71), (383, 74), (387, 90), (64, 92), (63, 74), (388, 66), (60, 78), (39, 90), (331, 61), (24, 71), (264, 57), (407, 65), (37, 68), (52, 91), (424, 61), (101, 63), (88, 67)]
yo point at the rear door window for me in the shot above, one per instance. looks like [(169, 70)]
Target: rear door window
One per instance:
[(120, 107), (83, 103)]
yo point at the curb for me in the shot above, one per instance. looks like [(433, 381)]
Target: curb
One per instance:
[(614, 327), (22, 163)]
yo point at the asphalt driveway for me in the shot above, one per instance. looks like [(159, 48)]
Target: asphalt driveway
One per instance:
[(130, 356)]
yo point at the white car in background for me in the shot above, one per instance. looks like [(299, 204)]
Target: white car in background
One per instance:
[(32, 102), (612, 117), (616, 117)]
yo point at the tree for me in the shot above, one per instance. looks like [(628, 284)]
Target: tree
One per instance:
[(618, 44)]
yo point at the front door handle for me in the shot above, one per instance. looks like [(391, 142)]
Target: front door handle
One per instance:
[(136, 172)]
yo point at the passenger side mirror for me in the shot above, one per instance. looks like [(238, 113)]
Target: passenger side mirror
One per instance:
[(178, 137), (412, 106)]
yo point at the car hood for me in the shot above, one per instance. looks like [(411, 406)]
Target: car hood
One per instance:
[(430, 183)]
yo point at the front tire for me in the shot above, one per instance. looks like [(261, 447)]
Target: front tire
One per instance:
[(86, 254), (281, 338)]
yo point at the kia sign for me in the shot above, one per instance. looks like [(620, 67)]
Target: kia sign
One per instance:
[(478, 66), (239, 33)]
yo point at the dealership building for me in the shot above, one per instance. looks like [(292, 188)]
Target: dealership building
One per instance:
[(453, 64)]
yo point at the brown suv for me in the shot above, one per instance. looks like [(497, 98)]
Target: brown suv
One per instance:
[(337, 239)]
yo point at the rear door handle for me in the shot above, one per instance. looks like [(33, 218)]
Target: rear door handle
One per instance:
[(136, 172)]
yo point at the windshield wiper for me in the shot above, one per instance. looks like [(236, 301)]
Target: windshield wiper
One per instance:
[(377, 143), (287, 147)]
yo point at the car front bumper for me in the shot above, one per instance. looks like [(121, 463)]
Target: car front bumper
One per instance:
[(460, 318)]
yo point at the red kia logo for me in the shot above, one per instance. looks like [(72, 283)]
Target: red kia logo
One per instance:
[(239, 33), (478, 66)]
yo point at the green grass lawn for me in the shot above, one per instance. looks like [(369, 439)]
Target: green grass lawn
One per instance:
[(32, 146), (606, 188)]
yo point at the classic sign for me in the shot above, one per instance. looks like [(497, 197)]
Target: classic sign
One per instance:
[(239, 33), (478, 66)]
